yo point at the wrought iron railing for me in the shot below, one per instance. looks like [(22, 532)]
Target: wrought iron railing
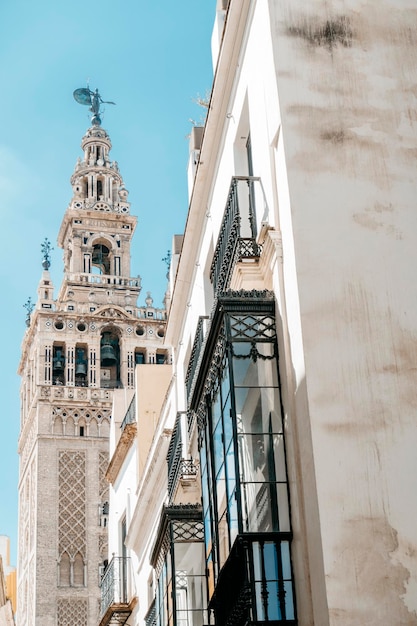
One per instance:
[(196, 351), (188, 468), (150, 617), (237, 238), (178, 467), (256, 583), (174, 456), (130, 417), (115, 583)]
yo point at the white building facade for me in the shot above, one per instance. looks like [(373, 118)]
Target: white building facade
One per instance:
[(278, 483)]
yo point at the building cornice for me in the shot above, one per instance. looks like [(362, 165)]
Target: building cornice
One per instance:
[(123, 446)]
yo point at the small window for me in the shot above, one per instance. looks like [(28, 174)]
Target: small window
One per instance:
[(81, 431)]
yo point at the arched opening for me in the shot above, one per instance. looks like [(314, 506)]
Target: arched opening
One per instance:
[(99, 189), (64, 571), (58, 426), (93, 428), (109, 359), (70, 427), (101, 258), (78, 570), (81, 365), (58, 365)]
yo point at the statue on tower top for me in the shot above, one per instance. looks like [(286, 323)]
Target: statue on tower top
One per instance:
[(85, 96)]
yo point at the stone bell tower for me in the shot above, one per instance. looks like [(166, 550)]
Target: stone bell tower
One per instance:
[(76, 350)]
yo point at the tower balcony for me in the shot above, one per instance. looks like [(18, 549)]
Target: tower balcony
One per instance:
[(105, 280), (118, 597)]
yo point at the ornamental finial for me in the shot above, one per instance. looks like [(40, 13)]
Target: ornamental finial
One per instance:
[(29, 306), (46, 257)]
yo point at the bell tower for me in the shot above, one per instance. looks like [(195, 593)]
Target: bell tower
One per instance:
[(76, 350)]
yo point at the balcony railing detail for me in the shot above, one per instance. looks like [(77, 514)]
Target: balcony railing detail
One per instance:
[(178, 467), (237, 238), (196, 351), (150, 617), (117, 599), (104, 279), (174, 456)]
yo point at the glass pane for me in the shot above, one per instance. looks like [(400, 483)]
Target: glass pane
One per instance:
[(221, 492), (248, 409), (273, 608), (233, 518), (257, 409), (225, 384), (279, 457), (256, 507), (216, 410), (218, 447), (253, 458), (283, 508), (205, 489), (245, 371), (257, 567), (267, 605), (203, 456), (270, 560), (285, 560), (289, 600), (189, 556), (207, 532), (230, 469), (210, 576), (250, 373), (267, 368), (228, 424), (223, 540)]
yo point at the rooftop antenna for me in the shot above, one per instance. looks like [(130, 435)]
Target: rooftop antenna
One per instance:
[(93, 99)]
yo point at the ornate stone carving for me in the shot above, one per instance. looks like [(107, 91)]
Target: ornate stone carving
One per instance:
[(72, 612), (72, 504)]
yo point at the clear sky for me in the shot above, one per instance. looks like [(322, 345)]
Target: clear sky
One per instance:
[(153, 59)]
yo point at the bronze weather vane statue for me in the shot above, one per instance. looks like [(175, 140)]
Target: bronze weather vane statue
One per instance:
[(85, 96)]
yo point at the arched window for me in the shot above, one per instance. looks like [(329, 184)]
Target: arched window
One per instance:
[(101, 258), (64, 571), (109, 359), (78, 571)]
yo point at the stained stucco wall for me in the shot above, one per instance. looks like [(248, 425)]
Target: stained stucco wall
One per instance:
[(347, 84)]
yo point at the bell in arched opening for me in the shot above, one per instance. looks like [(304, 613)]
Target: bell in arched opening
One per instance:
[(58, 360), (80, 364), (108, 355)]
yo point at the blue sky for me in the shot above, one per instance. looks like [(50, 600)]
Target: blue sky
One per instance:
[(151, 58)]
